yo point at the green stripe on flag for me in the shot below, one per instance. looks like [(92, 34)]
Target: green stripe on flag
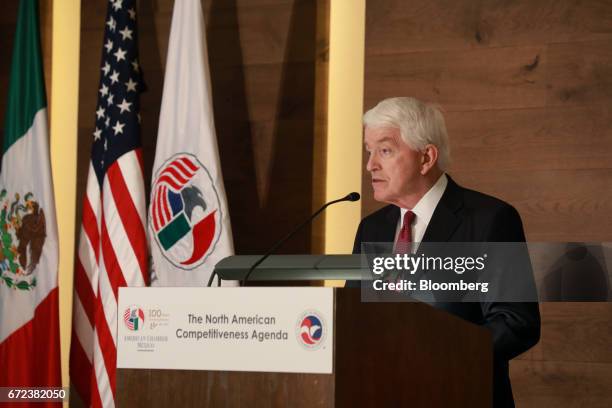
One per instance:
[(26, 87), (174, 231)]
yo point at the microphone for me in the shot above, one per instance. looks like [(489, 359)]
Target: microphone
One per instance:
[(354, 196)]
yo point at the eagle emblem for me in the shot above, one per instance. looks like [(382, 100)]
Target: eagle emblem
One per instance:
[(185, 211), (23, 233)]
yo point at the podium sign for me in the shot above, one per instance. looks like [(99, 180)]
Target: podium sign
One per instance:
[(226, 329)]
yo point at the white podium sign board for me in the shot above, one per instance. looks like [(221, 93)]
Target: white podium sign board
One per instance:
[(226, 329)]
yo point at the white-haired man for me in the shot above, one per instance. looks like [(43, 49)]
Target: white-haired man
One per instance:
[(408, 155)]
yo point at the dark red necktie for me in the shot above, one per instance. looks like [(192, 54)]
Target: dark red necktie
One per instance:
[(404, 239)]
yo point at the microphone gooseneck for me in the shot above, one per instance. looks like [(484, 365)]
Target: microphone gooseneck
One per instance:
[(354, 196)]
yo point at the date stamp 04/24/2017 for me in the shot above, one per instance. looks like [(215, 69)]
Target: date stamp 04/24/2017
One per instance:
[(33, 394)]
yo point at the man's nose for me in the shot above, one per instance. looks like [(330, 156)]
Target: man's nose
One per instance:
[(372, 163)]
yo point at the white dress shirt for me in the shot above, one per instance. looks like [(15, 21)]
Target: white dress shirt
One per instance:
[(423, 211)]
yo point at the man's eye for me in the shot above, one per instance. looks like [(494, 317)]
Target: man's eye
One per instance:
[(385, 151)]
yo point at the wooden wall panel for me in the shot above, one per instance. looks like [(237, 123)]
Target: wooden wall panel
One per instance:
[(486, 78), (444, 25), (567, 325), (263, 32), (526, 88), (538, 384), (580, 73), (555, 205), (556, 134)]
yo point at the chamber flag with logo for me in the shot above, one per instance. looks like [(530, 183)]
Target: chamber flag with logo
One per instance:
[(112, 249), (189, 223), (29, 320)]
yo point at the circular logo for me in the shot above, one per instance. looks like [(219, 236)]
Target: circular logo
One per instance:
[(185, 212), (134, 318), (311, 330)]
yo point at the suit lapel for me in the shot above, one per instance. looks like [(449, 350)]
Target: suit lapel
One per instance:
[(387, 233), (445, 219)]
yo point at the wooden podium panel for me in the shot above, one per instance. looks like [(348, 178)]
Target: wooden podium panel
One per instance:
[(385, 355), (178, 388), (408, 354)]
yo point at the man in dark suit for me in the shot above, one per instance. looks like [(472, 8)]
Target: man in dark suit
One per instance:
[(408, 152)]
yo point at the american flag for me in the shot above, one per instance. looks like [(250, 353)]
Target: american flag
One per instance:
[(112, 249)]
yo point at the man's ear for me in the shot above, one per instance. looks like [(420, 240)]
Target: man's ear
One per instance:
[(429, 158)]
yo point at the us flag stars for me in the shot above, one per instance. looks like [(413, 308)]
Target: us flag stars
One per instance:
[(131, 85), (126, 33), (125, 105), (117, 119), (118, 128)]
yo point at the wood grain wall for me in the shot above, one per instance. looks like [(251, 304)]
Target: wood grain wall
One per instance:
[(268, 63), (526, 87)]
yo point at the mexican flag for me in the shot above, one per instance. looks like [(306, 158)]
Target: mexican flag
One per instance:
[(189, 224), (29, 320)]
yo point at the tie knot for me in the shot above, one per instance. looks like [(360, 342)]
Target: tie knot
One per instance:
[(408, 218)]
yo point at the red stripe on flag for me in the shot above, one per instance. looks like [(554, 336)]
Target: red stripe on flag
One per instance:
[(113, 269), (90, 225), (168, 180), (165, 205), (181, 179), (154, 211), (138, 152), (163, 202), (159, 193), (81, 369), (163, 198), (129, 216), (107, 345), (84, 291), (182, 168), (96, 400), (189, 164)]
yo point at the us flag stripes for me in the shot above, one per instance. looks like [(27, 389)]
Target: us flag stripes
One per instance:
[(112, 249)]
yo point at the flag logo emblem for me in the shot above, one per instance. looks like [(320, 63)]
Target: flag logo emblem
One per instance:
[(134, 318), (185, 212), (22, 237), (310, 331)]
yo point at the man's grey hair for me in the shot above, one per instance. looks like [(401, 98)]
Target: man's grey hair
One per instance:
[(419, 123)]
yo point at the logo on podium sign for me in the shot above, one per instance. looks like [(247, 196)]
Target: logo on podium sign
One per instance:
[(134, 318), (311, 330)]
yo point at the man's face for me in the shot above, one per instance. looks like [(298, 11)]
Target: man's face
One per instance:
[(395, 168)]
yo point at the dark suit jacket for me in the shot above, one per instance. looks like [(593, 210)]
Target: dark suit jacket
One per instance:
[(464, 215)]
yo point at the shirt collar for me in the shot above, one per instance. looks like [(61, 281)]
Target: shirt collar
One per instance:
[(424, 209)]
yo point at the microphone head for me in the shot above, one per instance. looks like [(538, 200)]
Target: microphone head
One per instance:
[(354, 196)]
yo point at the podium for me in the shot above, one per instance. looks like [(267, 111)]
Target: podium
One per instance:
[(384, 355)]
